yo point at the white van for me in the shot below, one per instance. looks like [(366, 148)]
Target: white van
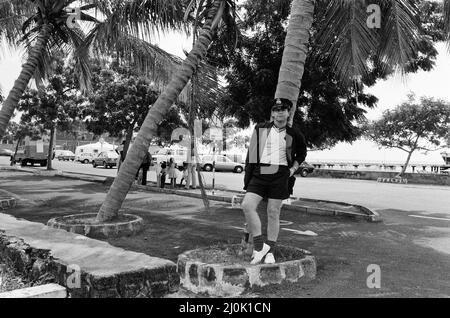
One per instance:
[(87, 153), (178, 154)]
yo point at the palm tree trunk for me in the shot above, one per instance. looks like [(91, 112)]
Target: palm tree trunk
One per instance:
[(24, 78), (200, 182), (50, 147), (194, 149), (15, 151), (122, 183), (295, 51)]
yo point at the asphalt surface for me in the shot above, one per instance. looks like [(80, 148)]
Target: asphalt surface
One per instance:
[(411, 253)]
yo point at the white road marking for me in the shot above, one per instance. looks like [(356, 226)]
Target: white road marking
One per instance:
[(428, 217), (309, 233)]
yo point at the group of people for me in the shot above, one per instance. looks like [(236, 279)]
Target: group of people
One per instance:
[(166, 170), (169, 170)]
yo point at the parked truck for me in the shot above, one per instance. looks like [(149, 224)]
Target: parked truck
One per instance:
[(32, 152)]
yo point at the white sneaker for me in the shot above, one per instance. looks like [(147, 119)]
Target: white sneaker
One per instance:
[(269, 259), (258, 255)]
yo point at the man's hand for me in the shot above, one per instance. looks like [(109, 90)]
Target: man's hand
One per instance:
[(294, 168), (292, 171)]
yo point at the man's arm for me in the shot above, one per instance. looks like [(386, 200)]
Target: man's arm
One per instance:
[(300, 151)]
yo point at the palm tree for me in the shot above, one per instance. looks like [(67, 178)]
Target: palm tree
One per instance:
[(346, 37), (213, 12), (122, 27)]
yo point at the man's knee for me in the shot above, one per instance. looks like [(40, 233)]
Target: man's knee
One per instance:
[(248, 206)]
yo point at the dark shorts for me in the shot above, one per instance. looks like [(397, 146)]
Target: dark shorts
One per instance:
[(271, 186)]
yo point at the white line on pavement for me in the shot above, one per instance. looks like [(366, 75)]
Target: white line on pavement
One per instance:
[(308, 232), (428, 217)]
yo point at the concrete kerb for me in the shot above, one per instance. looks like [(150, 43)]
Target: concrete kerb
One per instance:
[(61, 173), (86, 267), (236, 197), (41, 291)]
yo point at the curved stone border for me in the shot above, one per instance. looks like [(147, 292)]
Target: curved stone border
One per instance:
[(7, 202), (232, 280), (102, 230), (235, 198)]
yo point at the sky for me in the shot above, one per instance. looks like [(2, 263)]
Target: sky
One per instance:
[(390, 92)]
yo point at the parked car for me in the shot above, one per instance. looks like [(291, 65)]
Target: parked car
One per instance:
[(85, 157), (107, 159), (6, 152), (305, 169), (222, 163), (65, 155)]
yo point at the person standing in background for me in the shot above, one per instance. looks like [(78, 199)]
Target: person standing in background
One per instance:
[(119, 151), (163, 172), (172, 174), (145, 166)]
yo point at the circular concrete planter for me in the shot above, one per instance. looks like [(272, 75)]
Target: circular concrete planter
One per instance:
[(74, 223), (7, 202), (228, 280)]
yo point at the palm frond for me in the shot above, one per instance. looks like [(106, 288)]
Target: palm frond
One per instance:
[(12, 15), (144, 18), (347, 39), (108, 39), (81, 57), (400, 33), (209, 91)]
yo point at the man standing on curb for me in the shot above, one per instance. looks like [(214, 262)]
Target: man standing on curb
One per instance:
[(275, 153)]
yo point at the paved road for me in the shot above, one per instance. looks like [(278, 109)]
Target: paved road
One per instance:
[(430, 200)]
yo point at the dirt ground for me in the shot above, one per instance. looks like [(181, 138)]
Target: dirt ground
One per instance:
[(344, 248)]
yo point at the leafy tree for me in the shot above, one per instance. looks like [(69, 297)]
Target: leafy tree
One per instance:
[(53, 106), (120, 102), (414, 125), (44, 25)]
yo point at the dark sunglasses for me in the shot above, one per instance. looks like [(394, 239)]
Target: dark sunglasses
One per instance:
[(278, 108)]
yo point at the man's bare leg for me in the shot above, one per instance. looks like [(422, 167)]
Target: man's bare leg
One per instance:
[(249, 206), (273, 219)]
